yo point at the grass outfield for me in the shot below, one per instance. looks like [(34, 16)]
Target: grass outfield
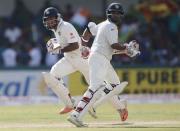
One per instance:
[(142, 117)]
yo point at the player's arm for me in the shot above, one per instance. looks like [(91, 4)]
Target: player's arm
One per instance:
[(72, 38), (131, 49), (118, 46), (112, 38), (86, 37), (55, 48), (70, 47), (128, 49), (85, 50), (90, 31)]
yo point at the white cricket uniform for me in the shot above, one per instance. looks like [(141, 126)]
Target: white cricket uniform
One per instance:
[(106, 34), (100, 70), (72, 61)]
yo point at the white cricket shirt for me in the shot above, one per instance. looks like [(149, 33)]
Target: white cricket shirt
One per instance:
[(66, 34), (107, 34)]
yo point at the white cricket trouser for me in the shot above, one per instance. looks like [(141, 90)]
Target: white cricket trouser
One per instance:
[(101, 69), (68, 65)]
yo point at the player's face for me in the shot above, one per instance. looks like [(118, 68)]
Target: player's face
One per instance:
[(116, 17), (51, 22)]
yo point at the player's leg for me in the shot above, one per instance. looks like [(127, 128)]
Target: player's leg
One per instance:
[(98, 66), (97, 73), (117, 89), (112, 83), (120, 105), (55, 82), (82, 66)]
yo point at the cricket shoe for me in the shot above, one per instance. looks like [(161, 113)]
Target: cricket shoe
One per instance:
[(92, 112), (67, 109), (75, 121), (123, 112)]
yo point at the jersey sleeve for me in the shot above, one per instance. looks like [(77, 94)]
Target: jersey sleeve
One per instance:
[(93, 28), (70, 34), (112, 34)]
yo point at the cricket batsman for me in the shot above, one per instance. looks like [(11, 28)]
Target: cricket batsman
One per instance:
[(104, 46), (66, 41)]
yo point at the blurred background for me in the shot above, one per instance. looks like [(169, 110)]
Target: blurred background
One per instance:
[(155, 24)]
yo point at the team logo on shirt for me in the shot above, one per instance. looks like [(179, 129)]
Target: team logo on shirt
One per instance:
[(112, 29)]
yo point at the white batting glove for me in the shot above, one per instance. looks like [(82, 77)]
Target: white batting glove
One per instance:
[(134, 45), (133, 49), (133, 53), (53, 46)]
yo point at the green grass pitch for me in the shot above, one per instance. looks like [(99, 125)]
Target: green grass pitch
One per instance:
[(142, 117)]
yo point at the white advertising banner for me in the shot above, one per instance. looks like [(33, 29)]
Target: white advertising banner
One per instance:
[(23, 83)]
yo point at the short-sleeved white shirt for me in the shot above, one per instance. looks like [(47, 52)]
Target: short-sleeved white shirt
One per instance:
[(107, 34), (66, 34)]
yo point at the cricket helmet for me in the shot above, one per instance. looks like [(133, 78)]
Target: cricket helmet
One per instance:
[(115, 12), (51, 18)]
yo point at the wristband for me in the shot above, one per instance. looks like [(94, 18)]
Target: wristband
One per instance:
[(84, 40)]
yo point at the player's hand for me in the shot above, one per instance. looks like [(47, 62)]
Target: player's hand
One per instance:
[(133, 53), (85, 51), (49, 46), (132, 49), (53, 46), (134, 45)]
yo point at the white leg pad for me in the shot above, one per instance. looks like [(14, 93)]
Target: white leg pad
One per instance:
[(86, 102), (116, 91), (58, 88)]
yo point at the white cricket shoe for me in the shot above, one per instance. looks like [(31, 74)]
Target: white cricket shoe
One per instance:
[(68, 109), (74, 120)]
